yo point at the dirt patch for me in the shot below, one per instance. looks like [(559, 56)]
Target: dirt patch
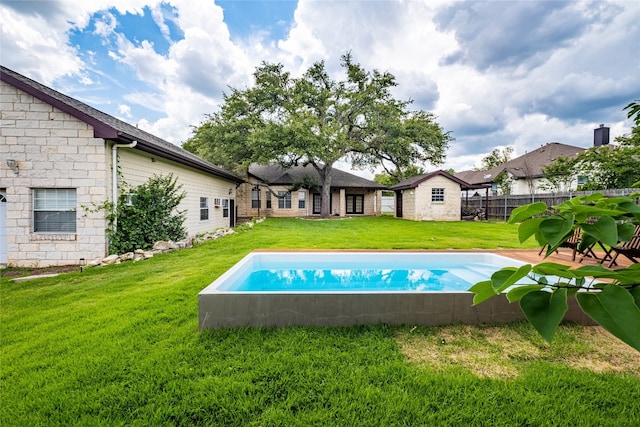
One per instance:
[(496, 352), (20, 272)]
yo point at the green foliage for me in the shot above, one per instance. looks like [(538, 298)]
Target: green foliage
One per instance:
[(496, 158), (307, 182), (147, 214), (389, 179), (609, 166), (317, 120), (559, 174), (634, 111), (610, 297)]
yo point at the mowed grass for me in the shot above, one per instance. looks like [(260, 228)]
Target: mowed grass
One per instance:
[(119, 346)]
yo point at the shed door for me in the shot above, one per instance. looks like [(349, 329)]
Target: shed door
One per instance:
[(399, 204), (3, 227)]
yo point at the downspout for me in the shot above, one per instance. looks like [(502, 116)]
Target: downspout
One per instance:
[(114, 181)]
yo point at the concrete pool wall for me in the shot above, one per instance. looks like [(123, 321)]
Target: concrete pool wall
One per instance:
[(218, 309)]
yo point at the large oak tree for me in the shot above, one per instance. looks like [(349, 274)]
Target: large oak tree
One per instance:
[(317, 120)]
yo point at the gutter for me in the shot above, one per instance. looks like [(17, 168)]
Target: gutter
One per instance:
[(114, 180)]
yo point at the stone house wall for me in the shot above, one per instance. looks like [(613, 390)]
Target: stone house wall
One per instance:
[(372, 202), (52, 150)]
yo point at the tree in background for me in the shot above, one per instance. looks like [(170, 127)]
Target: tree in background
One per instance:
[(315, 120), (558, 175), (390, 180), (494, 159)]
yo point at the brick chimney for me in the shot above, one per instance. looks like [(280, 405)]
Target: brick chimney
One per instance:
[(601, 136)]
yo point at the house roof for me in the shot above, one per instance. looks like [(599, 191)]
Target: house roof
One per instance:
[(274, 174), (415, 181), (111, 128), (527, 166)]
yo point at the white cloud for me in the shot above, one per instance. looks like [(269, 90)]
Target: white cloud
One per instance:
[(552, 75)]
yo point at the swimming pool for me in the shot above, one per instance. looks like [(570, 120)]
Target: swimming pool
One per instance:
[(345, 288)]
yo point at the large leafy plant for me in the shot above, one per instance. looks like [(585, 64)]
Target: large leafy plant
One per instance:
[(148, 213), (611, 297)]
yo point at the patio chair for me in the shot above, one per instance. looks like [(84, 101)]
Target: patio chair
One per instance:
[(630, 249), (571, 243)]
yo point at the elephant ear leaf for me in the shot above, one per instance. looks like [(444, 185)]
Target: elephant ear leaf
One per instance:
[(527, 211), (545, 310), (616, 310), (604, 230)]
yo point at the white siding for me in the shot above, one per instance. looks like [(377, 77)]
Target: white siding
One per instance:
[(137, 167)]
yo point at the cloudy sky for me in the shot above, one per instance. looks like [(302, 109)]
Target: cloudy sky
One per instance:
[(496, 73)]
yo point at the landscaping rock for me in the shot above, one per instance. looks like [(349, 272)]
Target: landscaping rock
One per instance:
[(164, 246), (111, 259)]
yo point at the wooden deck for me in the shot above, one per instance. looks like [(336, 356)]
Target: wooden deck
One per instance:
[(563, 256)]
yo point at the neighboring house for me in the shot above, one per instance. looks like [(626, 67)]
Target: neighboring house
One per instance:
[(433, 196), (59, 156), (268, 192), (525, 172)]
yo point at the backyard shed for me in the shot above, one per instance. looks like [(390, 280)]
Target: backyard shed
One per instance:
[(434, 196)]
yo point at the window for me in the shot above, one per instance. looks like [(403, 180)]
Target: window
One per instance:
[(355, 204), (268, 196), (582, 180), (225, 208), (437, 195), (284, 200), (54, 210), (255, 198), (204, 208), (216, 202), (301, 199)]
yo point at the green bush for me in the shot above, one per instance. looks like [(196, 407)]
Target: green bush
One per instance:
[(148, 213)]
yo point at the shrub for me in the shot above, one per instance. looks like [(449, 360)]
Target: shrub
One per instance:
[(148, 213)]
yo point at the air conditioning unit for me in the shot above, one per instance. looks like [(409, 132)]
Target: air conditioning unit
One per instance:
[(216, 202)]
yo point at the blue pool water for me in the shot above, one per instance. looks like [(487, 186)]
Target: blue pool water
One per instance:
[(358, 272), (330, 280)]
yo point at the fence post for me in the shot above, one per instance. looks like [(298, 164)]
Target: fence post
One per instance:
[(505, 208)]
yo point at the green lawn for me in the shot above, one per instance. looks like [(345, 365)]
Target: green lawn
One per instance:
[(119, 346)]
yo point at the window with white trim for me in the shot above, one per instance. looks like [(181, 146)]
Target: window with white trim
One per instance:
[(204, 208), (225, 208), (268, 197), (54, 210), (437, 195), (255, 198), (301, 199), (284, 200)]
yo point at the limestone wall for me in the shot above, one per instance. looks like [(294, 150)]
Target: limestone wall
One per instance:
[(448, 210), (52, 150), (372, 202)]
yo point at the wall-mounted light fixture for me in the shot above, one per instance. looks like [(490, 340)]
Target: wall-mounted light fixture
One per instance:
[(230, 191), (153, 160), (13, 165)]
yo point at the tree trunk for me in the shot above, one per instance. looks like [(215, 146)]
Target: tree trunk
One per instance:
[(325, 177)]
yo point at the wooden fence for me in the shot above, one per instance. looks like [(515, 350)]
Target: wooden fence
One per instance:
[(500, 207)]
